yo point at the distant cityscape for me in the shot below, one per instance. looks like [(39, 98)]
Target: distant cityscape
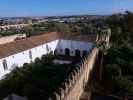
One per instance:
[(27, 20)]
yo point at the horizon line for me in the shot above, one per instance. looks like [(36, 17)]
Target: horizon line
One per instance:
[(62, 15)]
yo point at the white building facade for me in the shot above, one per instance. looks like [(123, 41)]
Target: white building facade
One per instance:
[(60, 46)]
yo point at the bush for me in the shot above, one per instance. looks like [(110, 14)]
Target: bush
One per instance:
[(34, 80)]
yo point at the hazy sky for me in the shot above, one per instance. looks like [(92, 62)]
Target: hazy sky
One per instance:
[(62, 7)]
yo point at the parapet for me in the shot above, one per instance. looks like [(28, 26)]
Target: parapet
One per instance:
[(65, 88)]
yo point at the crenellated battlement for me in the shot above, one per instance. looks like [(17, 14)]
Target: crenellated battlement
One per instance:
[(73, 85)]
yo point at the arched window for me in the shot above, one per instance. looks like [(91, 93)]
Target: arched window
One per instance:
[(84, 53), (77, 53), (67, 52), (5, 65)]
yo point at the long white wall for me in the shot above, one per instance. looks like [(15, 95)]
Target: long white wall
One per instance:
[(72, 46), (23, 57)]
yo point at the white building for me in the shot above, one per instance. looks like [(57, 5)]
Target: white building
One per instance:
[(24, 51)]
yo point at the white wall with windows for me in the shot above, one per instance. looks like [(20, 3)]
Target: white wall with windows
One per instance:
[(72, 46), (8, 63)]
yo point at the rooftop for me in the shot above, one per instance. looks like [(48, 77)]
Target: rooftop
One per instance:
[(28, 43)]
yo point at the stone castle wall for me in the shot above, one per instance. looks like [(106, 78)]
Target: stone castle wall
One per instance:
[(73, 86)]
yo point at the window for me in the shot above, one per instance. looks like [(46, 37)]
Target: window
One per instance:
[(67, 52), (5, 65), (55, 52), (30, 54), (77, 53), (48, 48)]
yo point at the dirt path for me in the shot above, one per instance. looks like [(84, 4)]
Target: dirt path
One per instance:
[(7, 39)]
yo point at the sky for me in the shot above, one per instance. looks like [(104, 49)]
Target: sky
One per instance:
[(11, 8)]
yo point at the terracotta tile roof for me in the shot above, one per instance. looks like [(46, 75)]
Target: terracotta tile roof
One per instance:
[(22, 45), (28, 43)]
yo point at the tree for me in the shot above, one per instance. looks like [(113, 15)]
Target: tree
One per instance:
[(29, 30), (121, 26)]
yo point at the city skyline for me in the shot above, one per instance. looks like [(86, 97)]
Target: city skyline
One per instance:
[(14, 8)]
